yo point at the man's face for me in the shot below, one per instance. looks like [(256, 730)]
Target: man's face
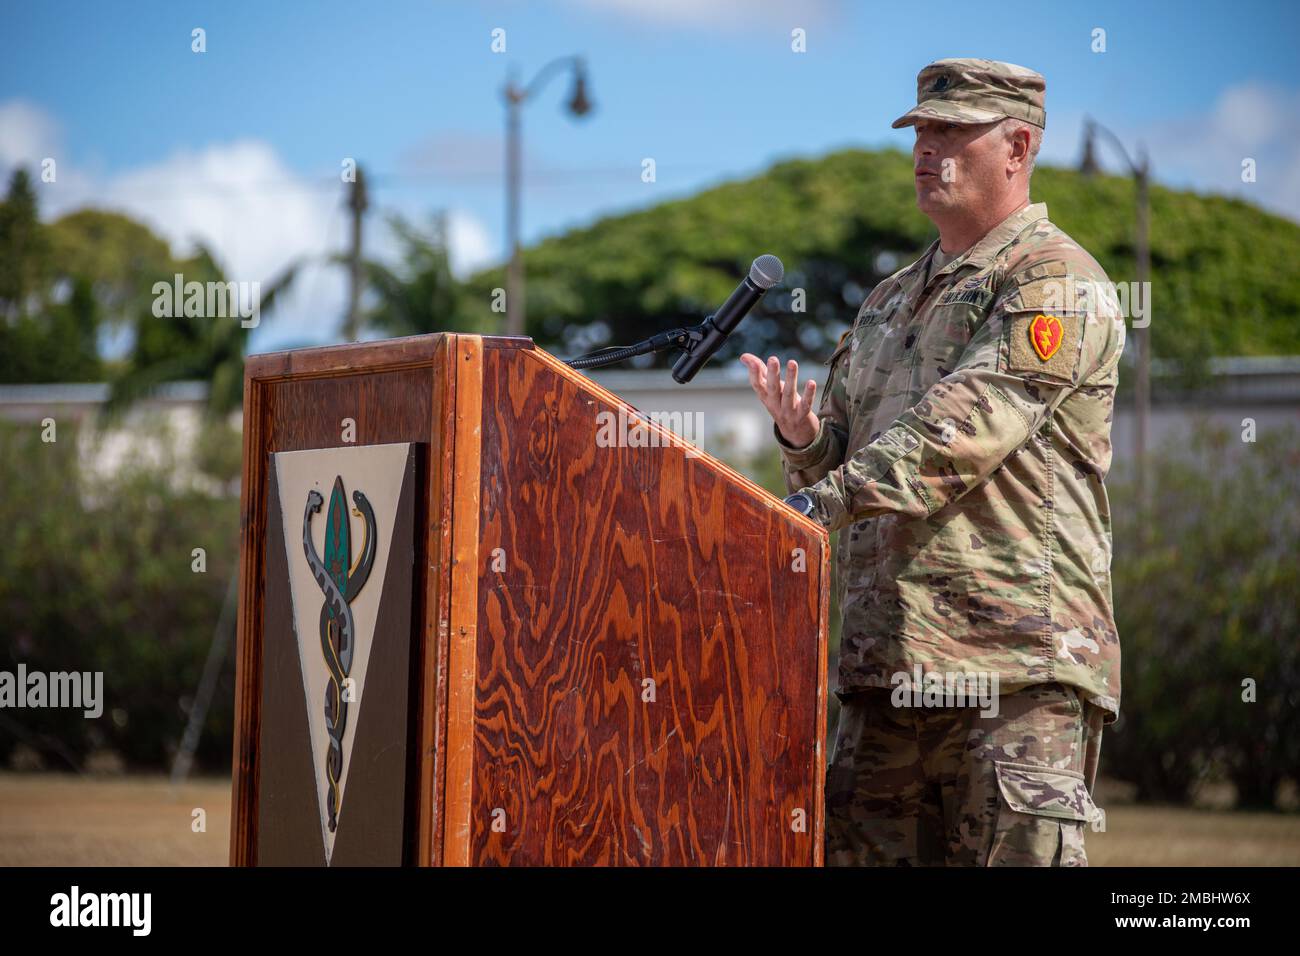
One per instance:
[(958, 166)]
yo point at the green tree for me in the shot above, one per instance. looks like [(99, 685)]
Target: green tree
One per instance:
[(1223, 277), (49, 320), (62, 283), (23, 249), (119, 257), (1208, 605), (181, 347), (96, 575)]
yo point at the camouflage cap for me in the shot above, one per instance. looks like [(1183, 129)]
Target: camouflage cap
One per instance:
[(977, 91)]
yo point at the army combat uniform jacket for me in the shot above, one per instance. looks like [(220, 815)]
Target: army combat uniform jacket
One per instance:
[(963, 442)]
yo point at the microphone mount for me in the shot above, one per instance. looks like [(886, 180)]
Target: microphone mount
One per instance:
[(698, 343), (686, 339)]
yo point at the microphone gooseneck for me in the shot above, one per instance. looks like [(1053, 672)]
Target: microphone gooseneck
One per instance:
[(697, 343)]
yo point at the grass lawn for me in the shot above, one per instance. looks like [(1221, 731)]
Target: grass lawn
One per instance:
[(52, 819)]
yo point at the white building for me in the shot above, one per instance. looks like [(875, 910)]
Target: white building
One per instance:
[(717, 410)]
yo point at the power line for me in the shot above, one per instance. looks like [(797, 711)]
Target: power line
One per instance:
[(564, 177)]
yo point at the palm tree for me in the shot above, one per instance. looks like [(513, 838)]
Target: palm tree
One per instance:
[(180, 347)]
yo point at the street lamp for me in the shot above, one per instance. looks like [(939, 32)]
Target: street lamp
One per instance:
[(1141, 173), (516, 96)]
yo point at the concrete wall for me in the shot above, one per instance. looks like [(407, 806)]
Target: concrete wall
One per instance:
[(716, 410)]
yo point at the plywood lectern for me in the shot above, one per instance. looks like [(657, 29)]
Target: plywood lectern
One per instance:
[(490, 615)]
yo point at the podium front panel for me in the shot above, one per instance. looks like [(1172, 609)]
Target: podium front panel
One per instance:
[(589, 642)]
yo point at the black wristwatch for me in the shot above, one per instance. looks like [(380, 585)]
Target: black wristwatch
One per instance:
[(801, 503)]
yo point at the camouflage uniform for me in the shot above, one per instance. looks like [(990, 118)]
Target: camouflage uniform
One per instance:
[(964, 438), (945, 786)]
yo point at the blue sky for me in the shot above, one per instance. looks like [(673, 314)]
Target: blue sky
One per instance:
[(242, 144)]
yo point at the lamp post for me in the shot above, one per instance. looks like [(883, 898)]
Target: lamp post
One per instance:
[(1141, 173), (515, 97)]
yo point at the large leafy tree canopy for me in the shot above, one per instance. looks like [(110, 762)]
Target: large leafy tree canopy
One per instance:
[(64, 283), (1223, 276)]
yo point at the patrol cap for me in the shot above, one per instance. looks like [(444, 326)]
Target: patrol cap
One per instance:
[(977, 91)]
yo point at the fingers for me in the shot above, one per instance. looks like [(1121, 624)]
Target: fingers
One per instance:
[(754, 365), (780, 396), (809, 392), (789, 394)]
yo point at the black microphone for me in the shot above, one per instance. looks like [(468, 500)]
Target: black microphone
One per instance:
[(766, 272)]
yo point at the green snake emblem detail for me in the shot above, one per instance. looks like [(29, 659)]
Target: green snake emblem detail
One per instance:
[(340, 581)]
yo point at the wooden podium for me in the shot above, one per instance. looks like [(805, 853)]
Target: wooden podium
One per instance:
[(473, 630)]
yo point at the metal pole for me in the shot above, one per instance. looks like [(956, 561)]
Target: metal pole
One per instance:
[(515, 271), (515, 97), (357, 203), (207, 683), (1141, 172)]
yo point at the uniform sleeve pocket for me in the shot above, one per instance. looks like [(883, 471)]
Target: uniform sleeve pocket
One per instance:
[(1041, 817), (896, 442)]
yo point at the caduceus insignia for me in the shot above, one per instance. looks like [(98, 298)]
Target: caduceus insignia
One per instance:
[(340, 581)]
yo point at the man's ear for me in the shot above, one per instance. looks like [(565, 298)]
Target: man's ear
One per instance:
[(1019, 143)]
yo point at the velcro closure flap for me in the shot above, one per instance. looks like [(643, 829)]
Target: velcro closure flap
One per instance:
[(1029, 788)]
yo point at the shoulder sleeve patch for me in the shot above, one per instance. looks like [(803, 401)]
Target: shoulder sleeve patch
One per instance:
[(1044, 345), (1046, 318)]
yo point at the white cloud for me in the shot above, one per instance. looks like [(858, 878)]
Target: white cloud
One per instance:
[(28, 137), (1204, 151), (471, 245), (256, 215), (27, 134), (238, 199), (1247, 121)]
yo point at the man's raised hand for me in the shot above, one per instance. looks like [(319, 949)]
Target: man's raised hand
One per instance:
[(791, 410)]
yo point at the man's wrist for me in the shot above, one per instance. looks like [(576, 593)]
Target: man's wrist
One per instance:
[(795, 446), (798, 451)]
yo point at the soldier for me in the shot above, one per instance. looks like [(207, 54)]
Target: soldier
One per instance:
[(960, 448)]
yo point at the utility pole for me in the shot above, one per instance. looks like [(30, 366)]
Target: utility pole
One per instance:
[(515, 270), (1141, 173), (357, 204), (184, 761), (515, 97)]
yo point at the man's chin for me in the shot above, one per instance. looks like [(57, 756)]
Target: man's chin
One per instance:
[(929, 199)]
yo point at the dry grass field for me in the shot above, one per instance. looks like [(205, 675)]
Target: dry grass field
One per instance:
[(51, 819), (65, 820)]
